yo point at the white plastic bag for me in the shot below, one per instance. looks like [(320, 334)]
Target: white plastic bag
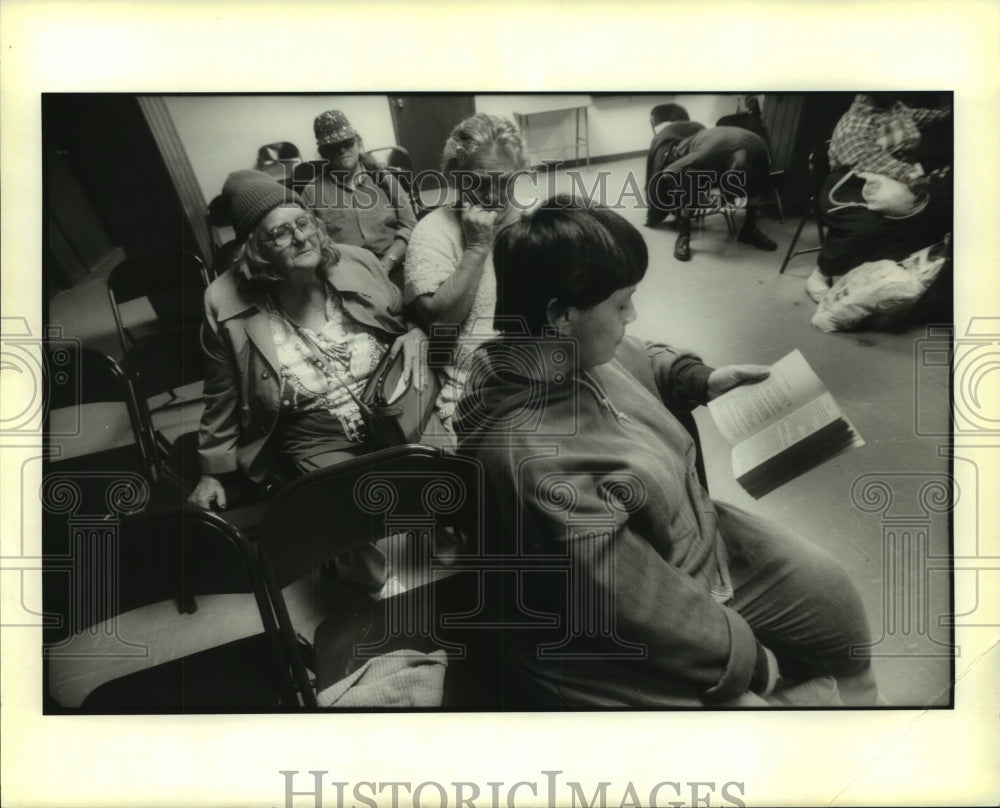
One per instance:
[(885, 288)]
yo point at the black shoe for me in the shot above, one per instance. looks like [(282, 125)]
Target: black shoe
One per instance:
[(682, 249), (757, 239)]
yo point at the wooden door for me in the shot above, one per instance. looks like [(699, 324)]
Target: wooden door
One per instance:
[(423, 122)]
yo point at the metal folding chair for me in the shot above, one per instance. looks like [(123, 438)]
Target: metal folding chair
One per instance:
[(176, 556), (819, 168)]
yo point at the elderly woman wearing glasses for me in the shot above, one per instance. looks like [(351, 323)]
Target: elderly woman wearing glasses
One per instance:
[(293, 330)]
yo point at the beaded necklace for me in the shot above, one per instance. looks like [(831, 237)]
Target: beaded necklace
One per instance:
[(316, 350), (319, 356)]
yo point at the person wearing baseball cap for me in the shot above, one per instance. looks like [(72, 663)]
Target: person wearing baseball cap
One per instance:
[(360, 202)]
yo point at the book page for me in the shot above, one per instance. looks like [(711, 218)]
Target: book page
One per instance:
[(750, 408), (791, 429)]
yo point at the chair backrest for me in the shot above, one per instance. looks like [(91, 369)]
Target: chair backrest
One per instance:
[(75, 376), (159, 364), (667, 113), (305, 173), (218, 212), (745, 120), (165, 361), (393, 157), (328, 512), (272, 153), (182, 553), (177, 555), (819, 166), (219, 219), (173, 282), (334, 510), (225, 255), (278, 160)]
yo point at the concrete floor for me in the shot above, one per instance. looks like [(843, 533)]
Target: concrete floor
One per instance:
[(869, 507)]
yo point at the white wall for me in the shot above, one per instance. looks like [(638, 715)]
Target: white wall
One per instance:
[(222, 133), (618, 124)]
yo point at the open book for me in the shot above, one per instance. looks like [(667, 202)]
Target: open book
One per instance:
[(781, 427)]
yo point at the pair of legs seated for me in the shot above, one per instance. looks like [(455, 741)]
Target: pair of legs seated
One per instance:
[(798, 600), (749, 233), (725, 158)]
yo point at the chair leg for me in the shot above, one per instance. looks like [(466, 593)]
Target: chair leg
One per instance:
[(795, 240), (781, 209)]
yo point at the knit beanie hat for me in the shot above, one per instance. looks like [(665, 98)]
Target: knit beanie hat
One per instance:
[(251, 196), (332, 126)]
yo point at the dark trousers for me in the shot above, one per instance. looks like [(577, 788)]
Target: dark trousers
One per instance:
[(717, 150), (800, 603), (857, 235)]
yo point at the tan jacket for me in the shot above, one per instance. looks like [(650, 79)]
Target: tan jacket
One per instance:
[(242, 371)]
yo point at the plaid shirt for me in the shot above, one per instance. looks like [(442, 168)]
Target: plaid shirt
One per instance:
[(871, 139)]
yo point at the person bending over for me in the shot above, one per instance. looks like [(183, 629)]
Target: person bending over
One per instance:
[(736, 162)]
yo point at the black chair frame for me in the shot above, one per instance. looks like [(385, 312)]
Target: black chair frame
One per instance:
[(163, 363), (329, 512), (75, 376), (178, 555), (819, 168), (174, 283), (752, 123)]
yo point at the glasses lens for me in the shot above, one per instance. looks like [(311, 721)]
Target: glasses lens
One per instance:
[(282, 236)]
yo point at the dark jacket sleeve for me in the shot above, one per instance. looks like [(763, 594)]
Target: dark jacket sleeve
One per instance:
[(684, 631), (406, 220), (677, 375)]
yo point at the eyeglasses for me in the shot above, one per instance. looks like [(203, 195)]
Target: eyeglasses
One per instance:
[(487, 189), (282, 235), (340, 145)]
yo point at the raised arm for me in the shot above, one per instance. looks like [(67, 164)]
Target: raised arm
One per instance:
[(429, 259)]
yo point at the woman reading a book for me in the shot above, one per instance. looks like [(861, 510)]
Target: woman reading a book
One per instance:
[(662, 597)]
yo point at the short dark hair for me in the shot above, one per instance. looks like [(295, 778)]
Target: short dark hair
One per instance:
[(577, 253)]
